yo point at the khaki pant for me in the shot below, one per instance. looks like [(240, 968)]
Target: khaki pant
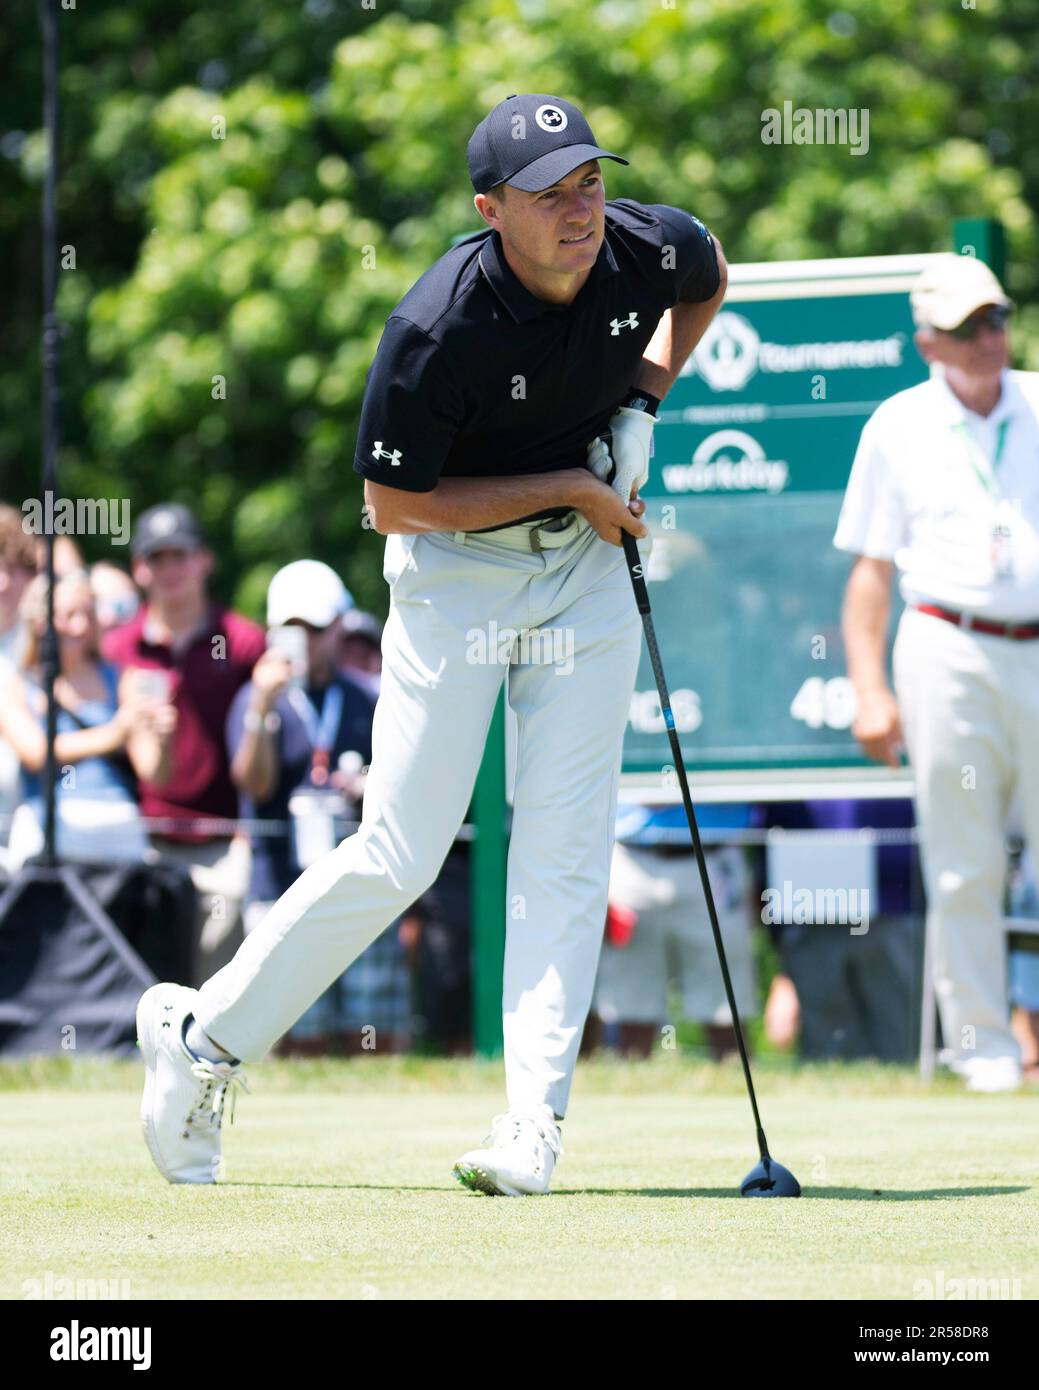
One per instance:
[(220, 873), (443, 666), (970, 712)]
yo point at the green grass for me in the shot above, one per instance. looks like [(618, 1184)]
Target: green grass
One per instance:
[(338, 1186)]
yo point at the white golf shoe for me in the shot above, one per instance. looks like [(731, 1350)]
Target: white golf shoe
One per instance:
[(517, 1159), (991, 1073), (184, 1095)]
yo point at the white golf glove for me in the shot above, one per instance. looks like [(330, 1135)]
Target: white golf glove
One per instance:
[(631, 434), (605, 469), (599, 460)]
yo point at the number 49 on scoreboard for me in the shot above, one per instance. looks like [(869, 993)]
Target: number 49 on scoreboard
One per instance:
[(826, 704)]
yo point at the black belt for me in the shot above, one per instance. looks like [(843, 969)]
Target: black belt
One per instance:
[(552, 515)]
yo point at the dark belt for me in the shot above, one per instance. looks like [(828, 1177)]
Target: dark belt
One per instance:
[(556, 514), (1017, 632)]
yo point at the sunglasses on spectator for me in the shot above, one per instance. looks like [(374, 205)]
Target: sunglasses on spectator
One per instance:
[(994, 318)]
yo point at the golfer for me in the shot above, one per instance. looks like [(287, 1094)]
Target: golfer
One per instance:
[(566, 317)]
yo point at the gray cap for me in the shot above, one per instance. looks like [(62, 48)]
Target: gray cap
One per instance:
[(170, 526), (531, 142)]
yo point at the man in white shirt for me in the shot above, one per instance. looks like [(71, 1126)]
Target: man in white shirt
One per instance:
[(945, 487)]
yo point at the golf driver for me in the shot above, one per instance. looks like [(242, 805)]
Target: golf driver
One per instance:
[(767, 1178)]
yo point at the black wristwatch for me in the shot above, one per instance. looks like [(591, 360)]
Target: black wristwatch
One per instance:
[(637, 399)]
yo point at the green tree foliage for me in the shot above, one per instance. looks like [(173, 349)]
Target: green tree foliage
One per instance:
[(249, 192)]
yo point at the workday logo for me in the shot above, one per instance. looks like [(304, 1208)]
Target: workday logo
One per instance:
[(728, 461)]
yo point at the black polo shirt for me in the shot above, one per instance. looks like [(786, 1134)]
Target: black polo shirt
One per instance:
[(477, 377)]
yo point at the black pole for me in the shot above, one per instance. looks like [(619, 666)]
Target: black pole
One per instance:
[(50, 397)]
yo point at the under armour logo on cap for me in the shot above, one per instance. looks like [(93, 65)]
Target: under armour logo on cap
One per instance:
[(531, 142), (550, 118)]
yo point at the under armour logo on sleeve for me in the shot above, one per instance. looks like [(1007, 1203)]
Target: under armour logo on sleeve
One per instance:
[(380, 453), (632, 321), (704, 233)]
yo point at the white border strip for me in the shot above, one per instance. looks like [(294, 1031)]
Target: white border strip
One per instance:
[(825, 279), (835, 268), (772, 784)]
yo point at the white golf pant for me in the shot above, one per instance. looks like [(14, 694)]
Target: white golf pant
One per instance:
[(446, 652), (970, 714)]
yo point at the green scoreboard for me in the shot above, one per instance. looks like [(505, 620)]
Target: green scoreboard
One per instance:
[(752, 454)]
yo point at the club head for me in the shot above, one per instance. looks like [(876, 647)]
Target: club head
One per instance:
[(770, 1179)]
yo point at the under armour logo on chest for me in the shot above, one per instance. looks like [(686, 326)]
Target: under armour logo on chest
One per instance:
[(632, 321), (380, 453)]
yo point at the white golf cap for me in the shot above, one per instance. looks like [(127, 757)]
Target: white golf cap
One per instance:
[(950, 290), (307, 590)]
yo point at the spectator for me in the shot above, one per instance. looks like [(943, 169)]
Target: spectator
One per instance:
[(943, 488), (360, 649), (115, 595), (68, 558), (842, 993), (107, 731), (17, 567), (659, 930), (298, 740), (1023, 902), (205, 654), (437, 937)]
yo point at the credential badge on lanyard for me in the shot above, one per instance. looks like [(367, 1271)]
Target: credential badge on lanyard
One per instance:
[(313, 810), (321, 733), (1002, 535)]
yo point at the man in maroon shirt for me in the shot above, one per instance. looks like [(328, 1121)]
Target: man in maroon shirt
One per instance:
[(204, 654)]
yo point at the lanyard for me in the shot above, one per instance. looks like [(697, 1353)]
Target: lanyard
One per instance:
[(322, 733), (976, 459)]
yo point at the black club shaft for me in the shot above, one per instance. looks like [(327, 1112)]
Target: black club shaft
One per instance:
[(638, 583)]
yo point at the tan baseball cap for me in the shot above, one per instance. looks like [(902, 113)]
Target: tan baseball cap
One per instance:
[(950, 290)]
